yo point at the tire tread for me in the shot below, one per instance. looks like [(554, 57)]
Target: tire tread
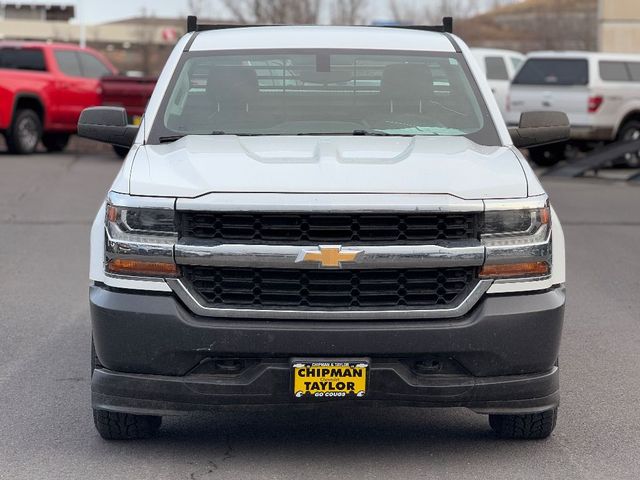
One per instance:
[(125, 426), (527, 427)]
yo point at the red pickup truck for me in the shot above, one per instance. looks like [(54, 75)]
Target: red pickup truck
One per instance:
[(132, 93), (45, 86)]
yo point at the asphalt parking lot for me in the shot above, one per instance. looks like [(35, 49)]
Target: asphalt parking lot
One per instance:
[(46, 206)]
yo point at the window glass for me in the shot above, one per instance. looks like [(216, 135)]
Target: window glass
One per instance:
[(22, 58), (496, 68), (516, 62), (553, 71), (68, 63), (634, 71), (324, 92), (614, 72), (92, 67)]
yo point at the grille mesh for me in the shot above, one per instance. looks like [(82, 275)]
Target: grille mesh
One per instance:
[(329, 289), (343, 228)]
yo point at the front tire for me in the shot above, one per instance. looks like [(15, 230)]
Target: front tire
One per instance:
[(524, 427), (24, 133), (548, 155), (55, 142), (122, 426)]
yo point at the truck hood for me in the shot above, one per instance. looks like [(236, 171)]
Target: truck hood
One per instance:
[(197, 165)]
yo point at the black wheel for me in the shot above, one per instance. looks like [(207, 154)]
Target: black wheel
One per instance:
[(24, 133), (55, 142), (122, 426), (524, 427), (121, 151), (629, 132), (548, 155)]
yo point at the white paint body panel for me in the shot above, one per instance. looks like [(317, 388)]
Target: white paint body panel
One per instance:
[(197, 165), (310, 36)]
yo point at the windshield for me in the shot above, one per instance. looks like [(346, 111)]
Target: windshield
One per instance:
[(323, 93)]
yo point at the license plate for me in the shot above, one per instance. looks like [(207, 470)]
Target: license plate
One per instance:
[(330, 379)]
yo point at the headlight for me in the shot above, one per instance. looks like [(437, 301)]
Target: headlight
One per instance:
[(516, 227), (518, 243), (139, 241)]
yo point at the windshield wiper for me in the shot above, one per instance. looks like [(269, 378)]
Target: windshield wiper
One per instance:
[(175, 138), (380, 133), (170, 138)]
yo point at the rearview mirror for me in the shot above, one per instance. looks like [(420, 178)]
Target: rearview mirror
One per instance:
[(108, 125), (540, 128)]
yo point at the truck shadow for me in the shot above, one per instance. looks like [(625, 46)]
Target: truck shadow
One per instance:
[(326, 438)]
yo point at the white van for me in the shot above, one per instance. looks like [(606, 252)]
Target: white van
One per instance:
[(600, 92), (500, 66)]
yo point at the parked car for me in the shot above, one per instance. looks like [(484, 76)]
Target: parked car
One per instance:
[(600, 92), (369, 242), (43, 89), (500, 66)]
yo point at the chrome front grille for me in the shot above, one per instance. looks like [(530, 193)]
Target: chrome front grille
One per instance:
[(330, 289), (293, 228), (395, 265)]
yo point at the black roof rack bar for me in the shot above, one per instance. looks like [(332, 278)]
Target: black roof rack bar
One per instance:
[(194, 26), (446, 27)]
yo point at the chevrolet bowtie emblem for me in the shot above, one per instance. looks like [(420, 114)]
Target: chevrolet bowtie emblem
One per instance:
[(330, 256)]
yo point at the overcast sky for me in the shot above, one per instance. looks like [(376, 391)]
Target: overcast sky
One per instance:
[(98, 11)]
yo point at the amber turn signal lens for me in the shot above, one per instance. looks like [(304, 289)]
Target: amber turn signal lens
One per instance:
[(515, 270), (141, 268), (545, 215), (112, 213)]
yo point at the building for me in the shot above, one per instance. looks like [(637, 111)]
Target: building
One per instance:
[(619, 29), (140, 44), (36, 12)]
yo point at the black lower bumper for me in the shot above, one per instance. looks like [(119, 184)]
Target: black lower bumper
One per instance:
[(157, 358)]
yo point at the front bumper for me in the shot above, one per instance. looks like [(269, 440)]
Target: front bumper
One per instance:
[(500, 357)]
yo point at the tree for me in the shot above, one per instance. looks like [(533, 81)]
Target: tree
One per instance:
[(274, 11), (145, 35), (431, 12), (349, 12)]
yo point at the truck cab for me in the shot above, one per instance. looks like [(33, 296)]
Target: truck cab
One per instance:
[(318, 214)]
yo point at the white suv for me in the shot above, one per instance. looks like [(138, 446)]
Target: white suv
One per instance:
[(314, 214), (600, 92)]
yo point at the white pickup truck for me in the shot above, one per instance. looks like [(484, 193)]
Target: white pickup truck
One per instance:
[(600, 93), (312, 214)]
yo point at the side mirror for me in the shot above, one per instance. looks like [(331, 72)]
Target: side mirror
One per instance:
[(108, 125), (540, 128)]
